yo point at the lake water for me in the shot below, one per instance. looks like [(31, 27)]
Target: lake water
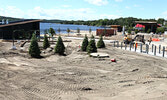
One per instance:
[(63, 27)]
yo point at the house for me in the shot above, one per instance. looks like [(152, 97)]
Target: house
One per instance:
[(147, 25), (22, 29)]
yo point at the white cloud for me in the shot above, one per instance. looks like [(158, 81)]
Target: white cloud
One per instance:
[(58, 13), (127, 7), (164, 15), (97, 2)]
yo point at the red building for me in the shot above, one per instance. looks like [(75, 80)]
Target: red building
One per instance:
[(109, 32)]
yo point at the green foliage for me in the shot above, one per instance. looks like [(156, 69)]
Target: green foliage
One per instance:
[(136, 31), (78, 30), (34, 50), (143, 30), (59, 30), (160, 21), (84, 43), (129, 31), (149, 30), (100, 43), (68, 30), (60, 48), (46, 43), (91, 45), (104, 32), (160, 29), (90, 30), (52, 31)]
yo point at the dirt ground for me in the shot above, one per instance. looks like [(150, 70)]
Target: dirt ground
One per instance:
[(80, 77)]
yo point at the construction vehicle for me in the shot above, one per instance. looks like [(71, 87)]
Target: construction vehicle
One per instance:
[(128, 39)]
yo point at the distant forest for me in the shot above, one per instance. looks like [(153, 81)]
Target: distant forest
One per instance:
[(129, 21)]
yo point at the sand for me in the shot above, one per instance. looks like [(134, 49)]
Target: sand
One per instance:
[(79, 77)]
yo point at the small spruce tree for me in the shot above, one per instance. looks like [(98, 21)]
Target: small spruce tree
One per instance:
[(91, 45), (90, 30), (34, 50), (59, 30), (60, 48), (68, 31), (46, 43), (100, 43), (78, 30), (84, 43)]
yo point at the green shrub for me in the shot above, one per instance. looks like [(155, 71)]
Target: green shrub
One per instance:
[(100, 43), (91, 45), (149, 30), (34, 50), (84, 43), (46, 43), (60, 48)]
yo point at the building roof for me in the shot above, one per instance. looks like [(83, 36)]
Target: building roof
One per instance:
[(19, 23), (145, 22)]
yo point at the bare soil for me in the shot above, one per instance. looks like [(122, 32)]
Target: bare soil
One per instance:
[(80, 77)]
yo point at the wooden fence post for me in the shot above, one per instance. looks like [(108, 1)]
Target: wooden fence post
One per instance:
[(121, 45), (159, 49), (117, 44), (152, 47), (114, 43), (130, 46), (135, 47), (163, 52), (141, 47), (155, 49)]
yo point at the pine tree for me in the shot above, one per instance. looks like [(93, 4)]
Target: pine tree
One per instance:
[(46, 43), (100, 43), (60, 48), (34, 50), (91, 45), (84, 43)]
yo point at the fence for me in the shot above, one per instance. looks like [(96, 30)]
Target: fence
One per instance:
[(139, 47)]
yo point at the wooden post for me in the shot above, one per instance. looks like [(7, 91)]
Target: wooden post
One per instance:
[(155, 49), (121, 45), (147, 48), (130, 46), (152, 47), (114, 43), (159, 49), (163, 52), (141, 47), (117, 44)]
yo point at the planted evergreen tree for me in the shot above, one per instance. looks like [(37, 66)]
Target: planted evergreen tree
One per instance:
[(34, 50), (84, 43), (52, 32), (59, 30), (60, 48), (90, 30), (91, 45), (68, 31), (100, 43), (46, 43), (78, 30)]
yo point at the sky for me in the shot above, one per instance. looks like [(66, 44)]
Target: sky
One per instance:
[(83, 9)]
